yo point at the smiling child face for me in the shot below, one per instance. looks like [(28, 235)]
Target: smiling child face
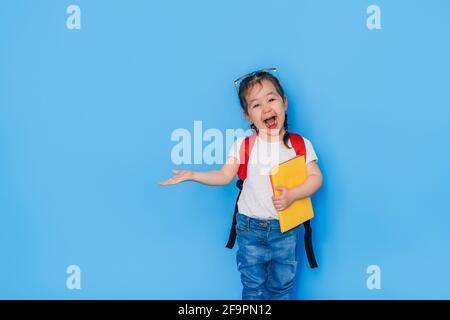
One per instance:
[(266, 108)]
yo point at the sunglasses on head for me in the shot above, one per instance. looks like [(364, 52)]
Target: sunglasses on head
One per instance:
[(237, 82)]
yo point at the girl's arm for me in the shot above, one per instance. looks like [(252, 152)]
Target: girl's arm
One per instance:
[(311, 184), (212, 178), (306, 189)]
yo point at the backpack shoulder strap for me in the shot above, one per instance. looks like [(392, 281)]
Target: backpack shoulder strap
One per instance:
[(244, 155), (298, 143)]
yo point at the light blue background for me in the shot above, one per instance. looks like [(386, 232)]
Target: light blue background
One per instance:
[(86, 118)]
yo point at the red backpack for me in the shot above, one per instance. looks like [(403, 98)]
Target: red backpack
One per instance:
[(244, 153)]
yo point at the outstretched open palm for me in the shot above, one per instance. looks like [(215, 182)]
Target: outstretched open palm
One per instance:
[(180, 176)]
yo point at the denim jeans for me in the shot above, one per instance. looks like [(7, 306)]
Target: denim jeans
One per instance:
[(266, 258)]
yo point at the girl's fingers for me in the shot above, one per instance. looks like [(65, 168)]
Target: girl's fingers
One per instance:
[(180, 176), (176, 180), (279, 206), (168, 182)]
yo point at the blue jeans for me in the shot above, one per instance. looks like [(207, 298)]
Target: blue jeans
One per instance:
[(266, 258)]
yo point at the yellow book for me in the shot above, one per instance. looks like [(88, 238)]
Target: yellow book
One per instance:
[(290, 174)]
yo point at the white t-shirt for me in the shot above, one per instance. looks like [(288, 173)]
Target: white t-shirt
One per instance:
[(256, 197)]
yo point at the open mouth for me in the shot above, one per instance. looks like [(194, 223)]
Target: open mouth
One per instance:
[(271, 123)]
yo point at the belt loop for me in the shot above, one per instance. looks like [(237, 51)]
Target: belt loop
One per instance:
[(272, 224)]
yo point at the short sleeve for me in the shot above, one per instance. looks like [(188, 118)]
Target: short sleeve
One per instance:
[(235, 148), (310, 153)]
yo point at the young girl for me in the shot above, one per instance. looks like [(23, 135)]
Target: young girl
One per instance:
[(266, 258)]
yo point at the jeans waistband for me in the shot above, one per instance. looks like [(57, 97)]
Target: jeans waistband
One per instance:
[(258, 223)]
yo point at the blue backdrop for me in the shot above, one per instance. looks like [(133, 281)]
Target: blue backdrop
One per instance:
[(86, 118)]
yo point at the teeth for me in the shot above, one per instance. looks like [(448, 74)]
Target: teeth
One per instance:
[(269, 119), (270, 122)]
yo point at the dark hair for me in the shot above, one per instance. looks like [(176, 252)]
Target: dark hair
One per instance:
[(257, 78)]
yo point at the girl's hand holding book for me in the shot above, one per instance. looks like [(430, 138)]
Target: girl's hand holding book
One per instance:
[(283, 200)]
